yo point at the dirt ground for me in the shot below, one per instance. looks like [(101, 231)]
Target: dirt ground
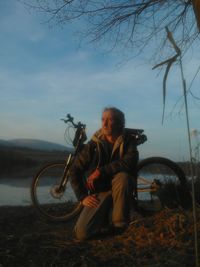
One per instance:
[(162, 239)]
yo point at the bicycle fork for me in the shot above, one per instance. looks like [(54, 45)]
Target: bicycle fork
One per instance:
[(57, 191)]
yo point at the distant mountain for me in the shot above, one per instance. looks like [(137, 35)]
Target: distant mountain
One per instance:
[(34, 144)]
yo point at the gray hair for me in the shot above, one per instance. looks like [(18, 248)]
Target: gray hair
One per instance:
[(119, 118)]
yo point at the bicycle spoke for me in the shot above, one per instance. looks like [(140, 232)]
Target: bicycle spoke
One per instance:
[(51, 203), (160, 179)]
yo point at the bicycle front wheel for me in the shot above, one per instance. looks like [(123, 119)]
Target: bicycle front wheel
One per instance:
[(160, 179), (52, 203)]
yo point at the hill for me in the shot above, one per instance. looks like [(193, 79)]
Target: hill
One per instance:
[(16, 160), (33, 144)]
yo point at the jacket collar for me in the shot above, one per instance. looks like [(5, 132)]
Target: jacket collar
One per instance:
[(99, 137)]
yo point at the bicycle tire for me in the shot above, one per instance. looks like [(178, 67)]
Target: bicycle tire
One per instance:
[(61, 208), (173, 190)]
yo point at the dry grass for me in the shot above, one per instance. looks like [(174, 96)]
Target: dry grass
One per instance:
[(162, 239)]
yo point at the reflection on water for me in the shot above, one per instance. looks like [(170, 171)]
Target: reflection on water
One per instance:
[(15, 192)]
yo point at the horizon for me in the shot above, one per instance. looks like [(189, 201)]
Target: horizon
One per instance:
[(37, 142), (62, 147), (45, 74)]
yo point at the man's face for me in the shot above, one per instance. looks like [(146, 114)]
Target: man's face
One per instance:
[(108, 123)]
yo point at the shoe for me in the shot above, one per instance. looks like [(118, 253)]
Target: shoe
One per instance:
[(113, 230), (119, 230)]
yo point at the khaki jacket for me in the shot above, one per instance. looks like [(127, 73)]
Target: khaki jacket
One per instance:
[(97, 153)]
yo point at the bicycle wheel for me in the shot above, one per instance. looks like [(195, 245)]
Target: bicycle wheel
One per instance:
[(163, 182), (51, 204)]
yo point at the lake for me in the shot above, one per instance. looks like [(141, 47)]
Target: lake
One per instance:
[(16, 192)]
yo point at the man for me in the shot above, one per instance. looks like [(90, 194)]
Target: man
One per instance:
[(102, 176)]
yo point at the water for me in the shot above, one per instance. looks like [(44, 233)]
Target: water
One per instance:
[(15, 192)]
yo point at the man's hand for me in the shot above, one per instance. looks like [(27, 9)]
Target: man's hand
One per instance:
[(90, 201), (91, 178)]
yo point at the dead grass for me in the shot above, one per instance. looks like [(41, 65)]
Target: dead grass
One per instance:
[(162, 239)]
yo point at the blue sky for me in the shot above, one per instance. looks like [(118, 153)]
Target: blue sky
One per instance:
[(45, 74)]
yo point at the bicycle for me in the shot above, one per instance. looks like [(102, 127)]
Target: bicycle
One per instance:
[(52, 195)]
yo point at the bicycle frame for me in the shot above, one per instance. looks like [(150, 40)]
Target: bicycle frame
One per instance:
[(147, 186), (80, 137)]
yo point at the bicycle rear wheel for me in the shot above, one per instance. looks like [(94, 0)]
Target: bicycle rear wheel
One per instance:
[(52, 204), (162, 181)]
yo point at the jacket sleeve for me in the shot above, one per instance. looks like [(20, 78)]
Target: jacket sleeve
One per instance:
[(127, 163), (77, 172)]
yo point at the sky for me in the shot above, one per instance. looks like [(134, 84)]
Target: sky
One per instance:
[(45, 73)]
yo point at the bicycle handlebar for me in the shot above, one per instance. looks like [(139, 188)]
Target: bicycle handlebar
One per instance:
[(71, 120), (137, 133)]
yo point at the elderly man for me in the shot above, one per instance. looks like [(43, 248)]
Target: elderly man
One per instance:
[(102, 176)]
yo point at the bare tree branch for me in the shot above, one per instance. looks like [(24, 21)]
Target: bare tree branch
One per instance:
[(130, 24)]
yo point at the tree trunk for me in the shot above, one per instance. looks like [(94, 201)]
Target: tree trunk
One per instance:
[(196, 7)]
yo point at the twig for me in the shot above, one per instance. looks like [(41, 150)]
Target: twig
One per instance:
[(169, 63)]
